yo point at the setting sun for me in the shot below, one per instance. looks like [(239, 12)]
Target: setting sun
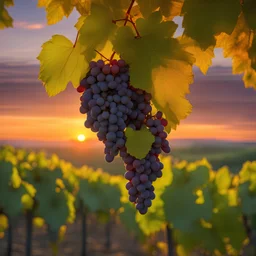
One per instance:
[(81, 137)]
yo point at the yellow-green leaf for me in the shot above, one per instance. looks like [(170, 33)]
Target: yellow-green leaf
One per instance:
[(82, 6), (223, 179), (139, 142), (80, 22), (61, 63), (6, 20), (203, 57), (96, 30), (241, 48), (168, 8), (158, 64), (56, 9), (148, 6), (171, 84)]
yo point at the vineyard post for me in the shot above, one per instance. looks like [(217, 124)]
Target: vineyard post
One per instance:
[(9, 239), (108, 233), (84, 231), (169, 240), (253, 231), (29, 220)]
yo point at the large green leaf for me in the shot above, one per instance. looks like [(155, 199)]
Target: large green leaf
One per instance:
[(10, 199), (127, 217), (205, 19), (168, 8), (139, 142), (54, 210), (90, 195), (61, 63), (248, 200), (154, 220), (96, 30), (228, 223), (158, 64), (177, 201)]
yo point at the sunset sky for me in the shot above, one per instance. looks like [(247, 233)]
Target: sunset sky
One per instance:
[(223, 108)]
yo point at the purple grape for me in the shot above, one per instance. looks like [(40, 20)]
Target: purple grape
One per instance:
[(132, 191), (128, 185), (129, 175), (109, 158)]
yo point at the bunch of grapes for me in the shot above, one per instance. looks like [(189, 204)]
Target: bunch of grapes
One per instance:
[(112, 105)]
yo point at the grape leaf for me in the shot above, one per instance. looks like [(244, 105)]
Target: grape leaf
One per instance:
[(148, 6), (167, 177), (90, 195), (82, 6), (227, 223), (118, 8), (168, 8), (96, 30), (179, 198), (56, 9), (61, 63), (203, 57), (248, 201), (205, 19), (139, 142), (110, 197), (3, 223), (54, 210), (6, 20), (80, 22), (198, 177), (172, 8), (153, 57), (200, 237), (154, 220), (252, 53), (10, 199), (171, 84), (239, 46), (236, 44), (223, 179), (127, 217), (249, 10), (249, 78)]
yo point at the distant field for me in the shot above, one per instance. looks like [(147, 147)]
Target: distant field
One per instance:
[(218, 156)]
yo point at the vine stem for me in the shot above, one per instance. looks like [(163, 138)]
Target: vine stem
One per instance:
[(125, 23), (169, 240), (29, 219), (84, 232), (128, 11), (132, 22), (74, 45), (10, 239), (102, 55)]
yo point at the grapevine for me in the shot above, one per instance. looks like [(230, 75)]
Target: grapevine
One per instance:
[(112, 105)]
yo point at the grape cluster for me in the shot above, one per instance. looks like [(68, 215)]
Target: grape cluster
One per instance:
[(112, 105), (107, 102), (141, 173)]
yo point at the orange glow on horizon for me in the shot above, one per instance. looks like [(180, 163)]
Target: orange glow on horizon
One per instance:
[(67, 129)]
